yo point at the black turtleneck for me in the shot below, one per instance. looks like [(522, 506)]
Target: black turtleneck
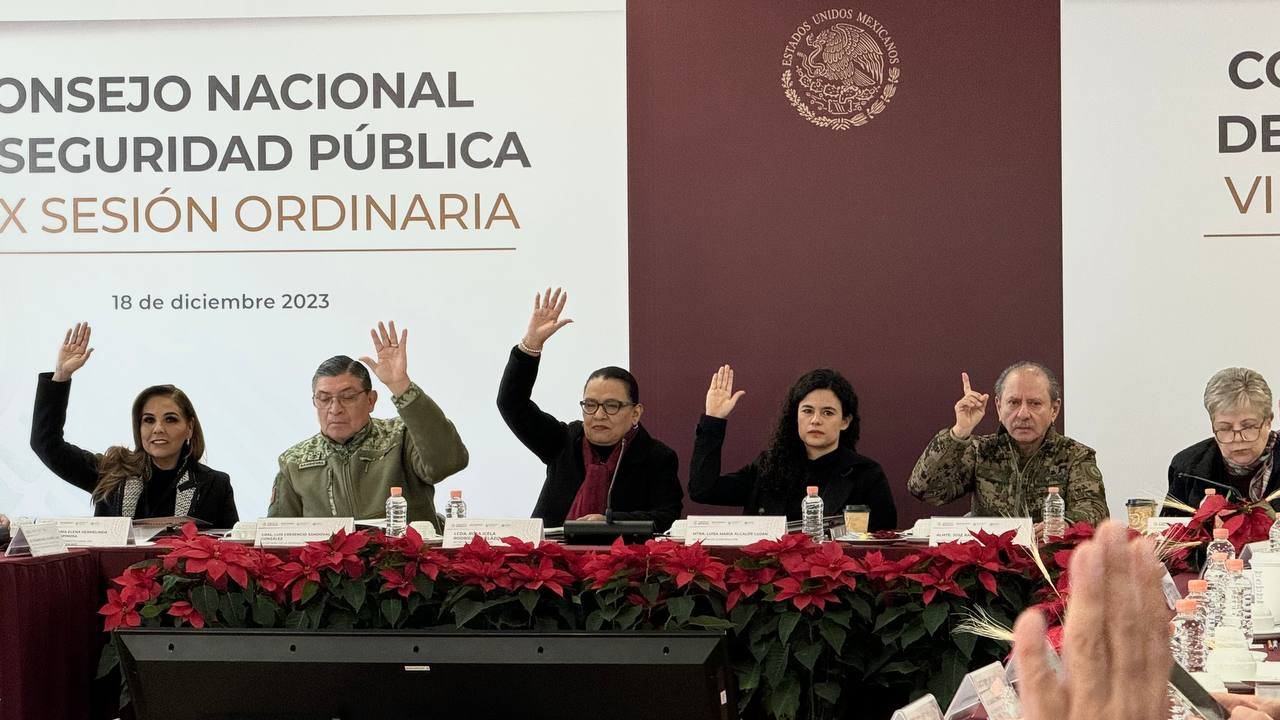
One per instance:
[(160, 492)]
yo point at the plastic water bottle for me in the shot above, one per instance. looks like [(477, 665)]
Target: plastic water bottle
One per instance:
[(1055, 515), (1198, 590), (1188, 637), (1220, 544), (1215, 574), (456, 508), (1241, 603), (397, 513), (1208, 493), (1274, 535), (811, 513)]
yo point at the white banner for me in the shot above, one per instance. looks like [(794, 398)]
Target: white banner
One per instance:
[(1167, 277), (431, 169)]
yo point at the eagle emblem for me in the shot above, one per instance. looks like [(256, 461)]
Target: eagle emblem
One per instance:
[(844, 73)]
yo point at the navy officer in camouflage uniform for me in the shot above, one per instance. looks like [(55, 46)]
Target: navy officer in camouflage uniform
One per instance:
[(1010, 472), (349, 467)]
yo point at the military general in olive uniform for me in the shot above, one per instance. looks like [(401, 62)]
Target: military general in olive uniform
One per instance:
[(1009, 473), (350, 466)]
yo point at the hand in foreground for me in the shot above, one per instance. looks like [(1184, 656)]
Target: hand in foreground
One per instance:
[(721, 399), (545, 320), (969, 410), (1115, 640), (593, 517), (1249, 707), (392, 365), (4, 521), (73, 353)]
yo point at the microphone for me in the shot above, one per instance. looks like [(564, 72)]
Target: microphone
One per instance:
[(1228, 488), (608, 498)]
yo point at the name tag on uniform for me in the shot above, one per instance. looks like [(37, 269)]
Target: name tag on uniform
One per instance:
[(313, 462)]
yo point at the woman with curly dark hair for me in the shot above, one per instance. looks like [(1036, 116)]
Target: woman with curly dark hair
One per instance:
[(814, 444)]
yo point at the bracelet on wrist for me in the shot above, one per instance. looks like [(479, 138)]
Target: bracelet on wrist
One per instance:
[(528, 350)]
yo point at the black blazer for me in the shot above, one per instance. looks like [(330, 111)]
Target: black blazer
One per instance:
[(213, 500), (1201, 466), (843, 477), (647, 485)]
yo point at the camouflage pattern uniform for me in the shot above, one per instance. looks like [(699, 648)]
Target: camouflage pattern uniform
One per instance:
[(321, 478), (1002, 484)]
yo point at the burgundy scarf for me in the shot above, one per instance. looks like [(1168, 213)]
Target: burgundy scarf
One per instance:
[(593, 493)]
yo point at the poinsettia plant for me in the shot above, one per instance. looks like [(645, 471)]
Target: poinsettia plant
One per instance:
[(1245, 520)]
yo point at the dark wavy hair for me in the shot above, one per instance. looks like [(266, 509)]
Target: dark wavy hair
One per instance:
[(119, 463), (784, 460)]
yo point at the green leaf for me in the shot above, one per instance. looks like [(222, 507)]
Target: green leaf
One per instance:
[(834, 635), (741, 614), (264, 611), (309, 591), (710, 622), (828, 691), (775, 664), (902, 667), (595, 621), (843, 618), (529, 600), (935, 615), (205, 600), (167, 584), (784, 701), (749, 679), (109, 658), (889, 615), (786, 625), (763, 628), (296, 620), (650, 592), (423, 584), (627, 618), (314, 614), (965, 642), (149, 611), (808, 655), (466, 609), (861, 606), (342, 620), (911, 634), (391, 609), (680, 607), (354, 593), (946, 680)]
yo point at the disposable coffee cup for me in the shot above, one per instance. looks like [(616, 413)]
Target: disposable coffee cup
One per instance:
[(1139, 511), (856, 518)]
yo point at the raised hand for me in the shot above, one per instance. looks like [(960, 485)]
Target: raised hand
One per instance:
[(721, 399), (546, 319), (969, 410), (73, 353), (392, 365)]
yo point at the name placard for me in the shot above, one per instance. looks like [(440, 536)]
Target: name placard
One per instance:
[(292, 532), (1157, 525), (460, 531), (733, 530), (36, 539), (987, 687), (925, 708), (93, 531), (949, 529)]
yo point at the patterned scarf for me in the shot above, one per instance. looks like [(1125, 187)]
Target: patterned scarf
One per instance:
[(1260, 469), (134, 486), (593, 493)]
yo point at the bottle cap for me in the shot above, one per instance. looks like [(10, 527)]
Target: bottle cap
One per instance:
[(1198, 586), (1210, 491), (455, 494), (812, 490), (395, 492), (1186, 605), (1221, 533), (1053, 488), (1219, 557), (1235, 564)]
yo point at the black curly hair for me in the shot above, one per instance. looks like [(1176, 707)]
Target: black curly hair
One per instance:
[(784, 460)]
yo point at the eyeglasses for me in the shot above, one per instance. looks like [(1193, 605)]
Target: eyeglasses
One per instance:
[(611, 407), (1245, 434), (346, 399)]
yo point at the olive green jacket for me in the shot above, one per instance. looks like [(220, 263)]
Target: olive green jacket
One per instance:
[(321, 478), (1004, 485)]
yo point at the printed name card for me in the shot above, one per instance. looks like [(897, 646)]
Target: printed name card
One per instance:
[(948, 529), (94, 531), (36, 539), (987, 687), (732, 530), (292, 532), (1157, 525), (460, 531), (925, 708)]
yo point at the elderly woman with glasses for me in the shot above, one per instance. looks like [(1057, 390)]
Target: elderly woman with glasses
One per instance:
[(605, 466), (1238, 461)]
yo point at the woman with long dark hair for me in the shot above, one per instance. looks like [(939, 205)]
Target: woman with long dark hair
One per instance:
[(815, 443), (160, 477)]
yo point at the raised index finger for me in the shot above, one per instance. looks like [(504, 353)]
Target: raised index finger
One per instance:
[(964, 378)]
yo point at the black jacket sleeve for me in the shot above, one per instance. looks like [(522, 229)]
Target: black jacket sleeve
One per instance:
[(884, 513), (666, 494), (540, 432), (76, 466), (228, 516), (706, 484)]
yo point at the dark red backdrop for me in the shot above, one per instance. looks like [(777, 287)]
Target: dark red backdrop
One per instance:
[(926, 242)]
